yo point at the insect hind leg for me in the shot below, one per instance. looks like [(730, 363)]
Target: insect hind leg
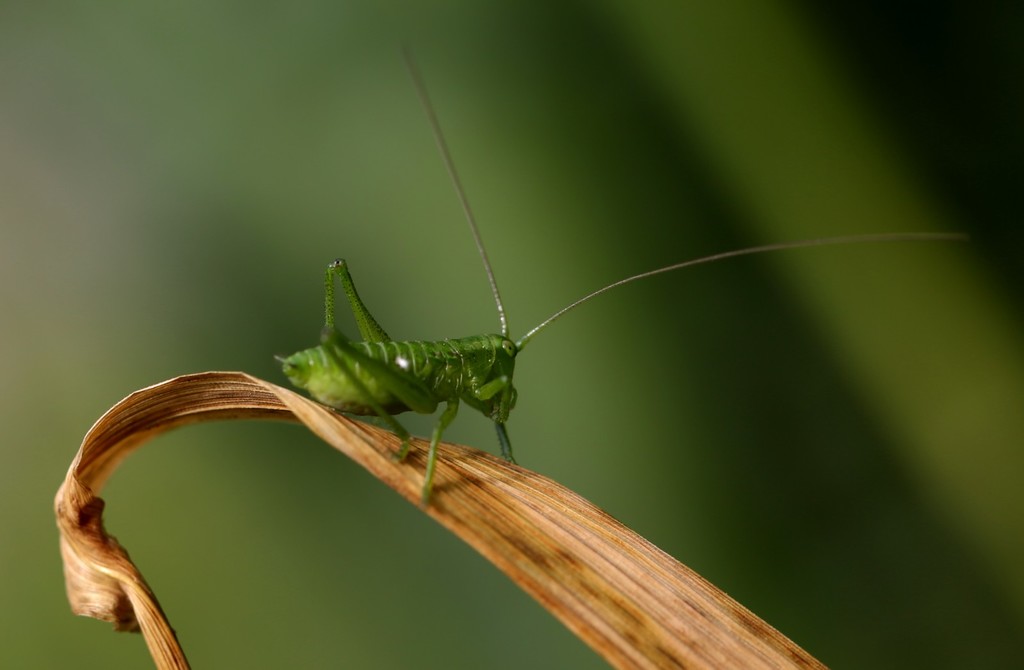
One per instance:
[(334, 345), (368, 326), (341, 352)]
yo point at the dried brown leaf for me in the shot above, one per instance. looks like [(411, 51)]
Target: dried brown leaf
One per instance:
[(631, 602)]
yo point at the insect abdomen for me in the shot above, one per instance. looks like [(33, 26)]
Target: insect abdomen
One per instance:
[(320, 374)]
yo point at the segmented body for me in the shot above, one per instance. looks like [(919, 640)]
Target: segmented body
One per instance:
[(446, 369)]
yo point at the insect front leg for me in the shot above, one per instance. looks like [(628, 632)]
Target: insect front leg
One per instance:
[(368, 326), (503, 442), (496, 399)]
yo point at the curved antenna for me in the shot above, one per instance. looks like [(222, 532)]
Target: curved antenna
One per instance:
[(435, 127), (847, 239)]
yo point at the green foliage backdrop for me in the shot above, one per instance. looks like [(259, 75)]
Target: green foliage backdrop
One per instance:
[(832, 436)]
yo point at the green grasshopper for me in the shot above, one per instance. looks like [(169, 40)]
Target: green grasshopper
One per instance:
[(382, 377)]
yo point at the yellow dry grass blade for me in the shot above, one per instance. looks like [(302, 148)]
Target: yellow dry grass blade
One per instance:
[(632, 603)]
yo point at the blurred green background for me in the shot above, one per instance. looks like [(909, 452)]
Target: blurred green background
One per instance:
[(832, 436)]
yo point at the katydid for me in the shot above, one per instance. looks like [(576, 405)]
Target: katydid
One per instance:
[(382, 377)]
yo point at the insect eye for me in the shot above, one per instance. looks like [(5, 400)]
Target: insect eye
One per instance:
[(509, 348)]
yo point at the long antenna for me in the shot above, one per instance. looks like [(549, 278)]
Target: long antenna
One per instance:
[(435, 127), (847, 239)]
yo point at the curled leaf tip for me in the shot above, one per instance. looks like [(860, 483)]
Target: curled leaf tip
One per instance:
[(632, 603)]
